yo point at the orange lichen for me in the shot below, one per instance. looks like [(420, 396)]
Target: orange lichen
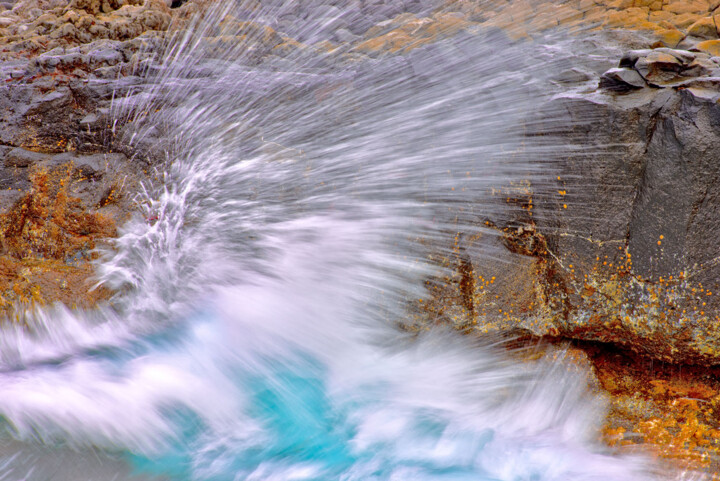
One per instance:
[(47, 242), (47, 223), (667, 408)]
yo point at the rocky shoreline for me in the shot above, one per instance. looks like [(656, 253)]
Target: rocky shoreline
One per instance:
[(619, 248)]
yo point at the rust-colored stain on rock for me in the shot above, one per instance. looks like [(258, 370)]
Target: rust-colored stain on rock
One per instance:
[(47, 245)]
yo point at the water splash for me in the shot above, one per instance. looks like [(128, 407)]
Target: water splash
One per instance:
[(261, 282)]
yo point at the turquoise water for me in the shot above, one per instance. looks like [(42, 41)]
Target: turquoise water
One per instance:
[(212, 400)]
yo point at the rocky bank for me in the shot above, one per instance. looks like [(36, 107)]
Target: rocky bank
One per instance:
[(620, 245), (65, 186)]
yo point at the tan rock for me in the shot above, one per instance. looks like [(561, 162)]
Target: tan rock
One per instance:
[(665, 24), (620, 4), (662, 58), (639, 11), (568, 16), (684, 20), (521, 11), (704, 28), (626, 18), (90, 6), (67, 30), (659, 67), (595, 15), (502, 21), (445, 25), (154, 20), (543, 20), (649, 4), (659, 16), (669, 37), (84, 21), (102, 6), (372, 45), (46, 19), (115, 30), (687, 6), (711, 47), (71, 16), (647, 25)]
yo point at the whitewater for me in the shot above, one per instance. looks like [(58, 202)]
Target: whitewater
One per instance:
[(262, 285)]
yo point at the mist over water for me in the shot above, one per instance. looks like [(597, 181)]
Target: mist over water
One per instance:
[(254, 333)]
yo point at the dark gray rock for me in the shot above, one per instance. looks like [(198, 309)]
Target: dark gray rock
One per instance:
[(573, 76), (107, 73), (19, 157), (358, 22), (105, 57), (627, 224), (90, 120), (325, 11), (630, 57), (700, 67), (90, 167), (622, 80)]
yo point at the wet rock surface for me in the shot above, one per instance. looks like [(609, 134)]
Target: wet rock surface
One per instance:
[(622, 247), (665, 409), (64, 188)]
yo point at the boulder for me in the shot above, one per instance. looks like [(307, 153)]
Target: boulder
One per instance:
[(705, 28), (622, 80)]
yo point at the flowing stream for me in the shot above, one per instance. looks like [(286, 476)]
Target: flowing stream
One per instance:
[(254, 336)]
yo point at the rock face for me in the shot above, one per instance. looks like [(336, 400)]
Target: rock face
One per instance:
[(619, 242), (63, 188), (61, 63), (637, 243)]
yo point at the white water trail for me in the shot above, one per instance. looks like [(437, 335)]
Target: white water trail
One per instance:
[(254, 337)]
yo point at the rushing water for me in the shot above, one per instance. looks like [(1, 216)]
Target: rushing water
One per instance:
[(254, 337)]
